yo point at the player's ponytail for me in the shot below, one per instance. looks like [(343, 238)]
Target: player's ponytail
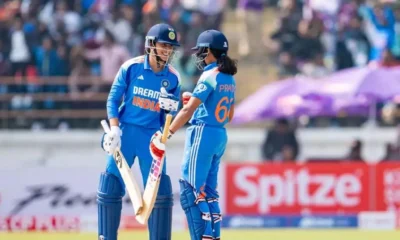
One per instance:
[(224, 62)]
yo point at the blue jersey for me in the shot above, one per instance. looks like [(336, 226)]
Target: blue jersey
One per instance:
[(216, 91), (138, 87)]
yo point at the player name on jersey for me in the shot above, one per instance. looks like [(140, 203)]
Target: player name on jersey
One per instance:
[(145, 103), (227, 88)]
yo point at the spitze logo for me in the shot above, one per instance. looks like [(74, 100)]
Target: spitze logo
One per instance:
[(165, 83), (296, 188), (200, 88)]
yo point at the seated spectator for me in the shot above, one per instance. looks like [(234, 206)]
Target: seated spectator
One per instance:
[(355, 151), (392, 153), (280, 143)]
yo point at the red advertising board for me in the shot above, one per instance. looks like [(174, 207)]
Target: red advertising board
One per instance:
[(254, 189), (387, 186), (39, 223)]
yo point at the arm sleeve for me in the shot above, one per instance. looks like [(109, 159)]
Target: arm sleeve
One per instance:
[(117, 91), (202, 90)]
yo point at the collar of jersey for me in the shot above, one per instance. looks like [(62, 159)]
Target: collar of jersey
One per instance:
[(147, 67), (210, 66)]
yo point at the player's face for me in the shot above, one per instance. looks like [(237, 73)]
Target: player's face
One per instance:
[(164, 51), (200, 57)]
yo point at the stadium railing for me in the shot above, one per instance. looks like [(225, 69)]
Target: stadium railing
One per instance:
[(37, 99)]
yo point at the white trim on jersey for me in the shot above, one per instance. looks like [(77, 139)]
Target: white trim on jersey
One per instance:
[(194, 152)]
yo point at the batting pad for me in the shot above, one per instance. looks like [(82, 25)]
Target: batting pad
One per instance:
[(160, 220), (109, 202), (196, 223)]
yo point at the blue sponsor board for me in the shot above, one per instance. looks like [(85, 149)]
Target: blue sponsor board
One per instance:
[(290, 221), (239, 221), (326, 221)]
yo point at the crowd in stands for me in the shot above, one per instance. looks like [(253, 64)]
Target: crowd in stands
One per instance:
[(49, 38), (83, 42), (317, 37)]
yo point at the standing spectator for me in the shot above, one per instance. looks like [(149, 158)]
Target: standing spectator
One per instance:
[(46, 58), (250, 15), (353, 46), (20, 54), (111, 56), (119, 27), (380, 29), (278, 140)]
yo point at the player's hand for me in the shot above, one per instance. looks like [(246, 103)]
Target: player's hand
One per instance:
[(157, 148), (168, 102), (186, 97), (112, 140)]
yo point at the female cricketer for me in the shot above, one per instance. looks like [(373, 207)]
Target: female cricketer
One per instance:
[(210, 108), (133, 122)]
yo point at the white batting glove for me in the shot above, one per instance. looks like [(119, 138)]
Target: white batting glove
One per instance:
[(167, 101), (157, 148), (112, 140)]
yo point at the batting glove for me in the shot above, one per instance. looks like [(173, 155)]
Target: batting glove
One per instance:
[(168, 102), (157, 148), (112, 140)]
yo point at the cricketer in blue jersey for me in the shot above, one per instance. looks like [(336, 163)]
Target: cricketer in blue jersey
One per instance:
[(144, 88), (210, 108)]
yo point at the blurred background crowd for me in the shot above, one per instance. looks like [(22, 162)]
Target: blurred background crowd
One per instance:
[(63, 54)]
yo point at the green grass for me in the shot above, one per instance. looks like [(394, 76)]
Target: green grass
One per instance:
[(227, 235)]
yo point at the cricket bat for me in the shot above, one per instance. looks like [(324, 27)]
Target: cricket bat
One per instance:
[(153, 180), (130, 183)]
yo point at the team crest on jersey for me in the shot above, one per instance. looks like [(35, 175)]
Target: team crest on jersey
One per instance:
[(165, 83), (200, 88)]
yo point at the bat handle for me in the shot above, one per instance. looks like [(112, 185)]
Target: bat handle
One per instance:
[(105, 126), (168, 121)]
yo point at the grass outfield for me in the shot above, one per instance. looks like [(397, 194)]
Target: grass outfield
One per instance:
[(227, 235)]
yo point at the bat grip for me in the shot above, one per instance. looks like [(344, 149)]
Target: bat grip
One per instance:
[(105, 126), (168, 121)]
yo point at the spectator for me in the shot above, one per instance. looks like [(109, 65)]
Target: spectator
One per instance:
[(111, 56), (4, 65), (119, 27), (20, 55), (357, 42), (250, 14), (46, 58), (380, 29), (355, 151), (392, 153), (280, 143)]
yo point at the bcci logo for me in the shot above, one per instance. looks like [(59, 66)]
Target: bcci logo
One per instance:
[(165, 83), (171, 35), (101, 237), (200, 88)]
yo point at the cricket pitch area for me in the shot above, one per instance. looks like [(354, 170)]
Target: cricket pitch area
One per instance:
[(247, 234)]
